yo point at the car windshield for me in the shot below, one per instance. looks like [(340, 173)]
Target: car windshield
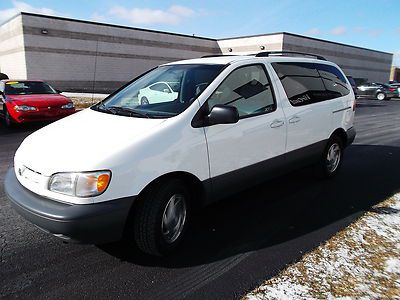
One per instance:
[(28, 88), (163, 92)]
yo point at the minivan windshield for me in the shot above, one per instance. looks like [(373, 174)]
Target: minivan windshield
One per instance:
[(162, 93), (28, 88)]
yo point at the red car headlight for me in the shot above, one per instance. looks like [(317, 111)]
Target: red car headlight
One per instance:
[(25, 108), (68, 106)]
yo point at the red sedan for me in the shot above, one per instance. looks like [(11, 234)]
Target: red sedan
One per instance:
[(32, 101)]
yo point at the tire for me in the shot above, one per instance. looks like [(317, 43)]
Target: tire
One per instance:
[(330, 165), (153, 235), (144, 101), (7, 119), (380, 96)]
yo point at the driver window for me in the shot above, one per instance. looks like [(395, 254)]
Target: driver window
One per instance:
[(248, 89)]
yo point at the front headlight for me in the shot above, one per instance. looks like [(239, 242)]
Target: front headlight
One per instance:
[(24, 108), (68, 106), (84, 184)]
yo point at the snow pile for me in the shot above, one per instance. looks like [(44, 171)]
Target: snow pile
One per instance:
[(360, 262)]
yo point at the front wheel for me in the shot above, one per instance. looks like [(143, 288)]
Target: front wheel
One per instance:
[(380, 96), (161, 217), (7, 119), (332, 157), (144, 101)]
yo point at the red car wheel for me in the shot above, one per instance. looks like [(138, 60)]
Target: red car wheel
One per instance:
[(7, 119)]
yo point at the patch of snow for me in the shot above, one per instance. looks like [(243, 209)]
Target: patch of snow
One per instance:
[(85, 95), (393, 265), (284, 290), (360, 262)]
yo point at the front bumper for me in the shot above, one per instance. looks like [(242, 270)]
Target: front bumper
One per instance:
[(87, 223), (41, 115)]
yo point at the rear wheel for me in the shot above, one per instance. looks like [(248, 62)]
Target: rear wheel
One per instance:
[(161, 217), (331, 160), (380, 96)]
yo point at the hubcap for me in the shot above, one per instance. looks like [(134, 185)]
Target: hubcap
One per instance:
[(145, 101), (333, 158), (174, 217), (381, 96)]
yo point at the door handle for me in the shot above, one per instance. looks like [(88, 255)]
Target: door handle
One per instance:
[(277, 123), (295, 119)]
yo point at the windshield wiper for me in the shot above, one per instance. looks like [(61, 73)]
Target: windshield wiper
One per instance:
[(130, 111), (102, 107)]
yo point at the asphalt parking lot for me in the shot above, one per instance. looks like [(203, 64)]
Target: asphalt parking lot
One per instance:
[(232, 246)]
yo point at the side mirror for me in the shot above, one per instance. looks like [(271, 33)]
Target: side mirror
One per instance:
[(222, 114), (58, 91), (167, 91)]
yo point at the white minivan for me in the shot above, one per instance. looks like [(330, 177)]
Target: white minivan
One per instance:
[(133, 169)]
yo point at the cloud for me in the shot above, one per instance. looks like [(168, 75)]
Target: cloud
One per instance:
[(340, 30), (19, 6), (359, 29), (313, 31), (372, 32), (173, 15), (96, 17), (375, 32)]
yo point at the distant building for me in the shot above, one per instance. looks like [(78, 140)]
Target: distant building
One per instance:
[(83, 56), (395, 74)]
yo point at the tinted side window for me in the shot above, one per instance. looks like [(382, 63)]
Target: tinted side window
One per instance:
[(301, 82), (334, 81), (248, 89)]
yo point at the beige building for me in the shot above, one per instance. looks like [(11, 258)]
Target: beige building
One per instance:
[(358, 62), (395, 74), (85, 56)]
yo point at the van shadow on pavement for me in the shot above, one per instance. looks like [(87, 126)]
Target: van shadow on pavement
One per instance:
[(296, 212)]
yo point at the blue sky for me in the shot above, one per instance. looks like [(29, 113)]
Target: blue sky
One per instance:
[(371, 24)]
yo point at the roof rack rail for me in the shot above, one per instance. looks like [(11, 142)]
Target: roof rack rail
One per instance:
[(268, 53), (218, 55)]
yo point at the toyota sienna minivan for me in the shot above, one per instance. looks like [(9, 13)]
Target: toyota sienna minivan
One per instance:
[(126, 165)]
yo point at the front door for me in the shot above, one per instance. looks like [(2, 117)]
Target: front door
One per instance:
[(249, 151)]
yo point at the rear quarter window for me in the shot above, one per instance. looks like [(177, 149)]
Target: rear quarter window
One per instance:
[(301, 82), (307, 83), (334, 81)]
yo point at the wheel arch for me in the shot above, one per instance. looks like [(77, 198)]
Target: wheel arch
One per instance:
[(197, 188), (195, 185), (341, 133)]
